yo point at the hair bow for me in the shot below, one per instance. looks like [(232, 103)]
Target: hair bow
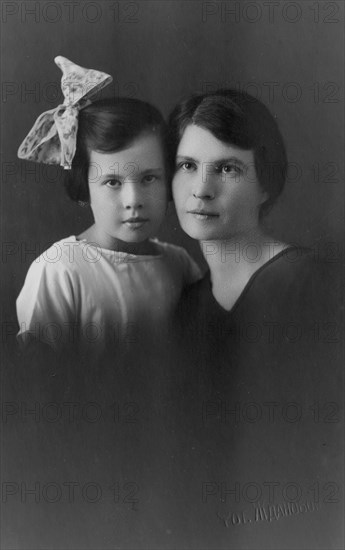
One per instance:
[(52, 139)]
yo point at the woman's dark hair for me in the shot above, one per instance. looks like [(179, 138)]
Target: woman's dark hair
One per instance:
[(239, 119), (108, 126)]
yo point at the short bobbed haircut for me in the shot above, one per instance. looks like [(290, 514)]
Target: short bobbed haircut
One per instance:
[(238, 119), (108, 126)]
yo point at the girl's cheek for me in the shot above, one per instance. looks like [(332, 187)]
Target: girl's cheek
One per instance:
[(163, 192)]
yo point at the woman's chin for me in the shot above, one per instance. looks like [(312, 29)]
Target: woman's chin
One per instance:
[(200, 233)]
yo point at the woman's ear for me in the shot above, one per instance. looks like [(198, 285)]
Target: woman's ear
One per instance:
[(264, 196), (169, 182)]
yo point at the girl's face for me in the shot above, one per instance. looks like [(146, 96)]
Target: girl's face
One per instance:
[(128, 192), (215, 187)]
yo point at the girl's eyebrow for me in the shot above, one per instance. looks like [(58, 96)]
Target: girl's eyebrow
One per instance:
[(149, 170), (130, 172)]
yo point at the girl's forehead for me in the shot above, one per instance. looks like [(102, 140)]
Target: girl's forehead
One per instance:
[(145, 147)]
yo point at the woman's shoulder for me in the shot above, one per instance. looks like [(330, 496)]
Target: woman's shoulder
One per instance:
[(296, 283), (299, 266), (172, 251), (296, 275), (178, 257), (169, 248)]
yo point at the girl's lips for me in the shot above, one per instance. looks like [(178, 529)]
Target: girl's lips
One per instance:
[(135, 223), (135, 220)]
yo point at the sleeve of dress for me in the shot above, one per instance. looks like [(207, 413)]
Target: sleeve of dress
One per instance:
[(191, 270), (46, 306)]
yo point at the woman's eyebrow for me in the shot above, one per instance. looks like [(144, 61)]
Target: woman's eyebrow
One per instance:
[(213, 162), (185, 158), (227, 160), (110, 175), (158, 169)]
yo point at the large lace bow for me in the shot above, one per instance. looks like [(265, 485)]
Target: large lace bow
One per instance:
[(52, 139)]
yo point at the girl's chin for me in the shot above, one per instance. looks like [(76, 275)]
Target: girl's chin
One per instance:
[(137, 239)]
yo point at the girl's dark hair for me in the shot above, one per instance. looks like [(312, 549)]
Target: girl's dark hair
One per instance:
[(238, 119), (108, 126)]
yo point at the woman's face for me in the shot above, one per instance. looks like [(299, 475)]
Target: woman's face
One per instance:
[(215, 187)]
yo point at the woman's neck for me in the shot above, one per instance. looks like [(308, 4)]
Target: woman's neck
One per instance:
[(232, 262)]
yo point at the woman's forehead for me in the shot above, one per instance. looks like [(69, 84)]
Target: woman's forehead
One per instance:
[(199, 144)]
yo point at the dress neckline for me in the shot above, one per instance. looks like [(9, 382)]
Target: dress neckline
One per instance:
[(251, 280), (123, 255)]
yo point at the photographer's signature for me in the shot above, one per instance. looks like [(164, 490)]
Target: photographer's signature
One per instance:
[(268, 512)]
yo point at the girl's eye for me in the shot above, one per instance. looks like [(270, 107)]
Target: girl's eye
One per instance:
[(113, 184), (150, 178)]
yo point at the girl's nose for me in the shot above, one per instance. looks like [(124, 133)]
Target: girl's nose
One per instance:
[(132, 196)]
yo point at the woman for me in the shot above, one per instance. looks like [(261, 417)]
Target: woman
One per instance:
[(259, 337), (230, 169)]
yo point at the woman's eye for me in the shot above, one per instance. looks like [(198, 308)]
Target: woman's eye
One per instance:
[(229, 169), (113, 184), (150, 178), (187, 166)]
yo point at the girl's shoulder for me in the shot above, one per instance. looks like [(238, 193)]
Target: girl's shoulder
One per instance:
[(62, 256), (50, 274)]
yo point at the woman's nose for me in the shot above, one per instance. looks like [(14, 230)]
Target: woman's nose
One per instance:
[(202, 186), (132, 196)]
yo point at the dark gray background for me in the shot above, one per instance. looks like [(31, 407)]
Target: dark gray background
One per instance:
[(288, 53)]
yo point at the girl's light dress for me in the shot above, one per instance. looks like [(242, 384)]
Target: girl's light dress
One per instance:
[(78, 294)]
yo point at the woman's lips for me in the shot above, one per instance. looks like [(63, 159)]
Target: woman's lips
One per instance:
[(202, 214)]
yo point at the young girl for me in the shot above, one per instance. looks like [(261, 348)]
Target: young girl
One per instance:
[(112, 284)]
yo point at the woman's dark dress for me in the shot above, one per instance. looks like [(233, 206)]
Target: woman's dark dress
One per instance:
[(263, 407), (201, 440)]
